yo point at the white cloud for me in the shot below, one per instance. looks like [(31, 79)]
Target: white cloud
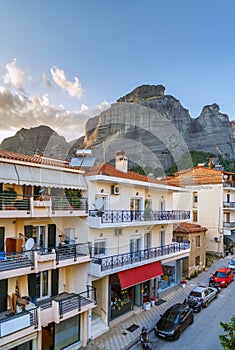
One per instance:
[(23, 111), (74, 89), (15, 76)]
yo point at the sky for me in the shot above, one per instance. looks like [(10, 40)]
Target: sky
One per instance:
[(64, 61)]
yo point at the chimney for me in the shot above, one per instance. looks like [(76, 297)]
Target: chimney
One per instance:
[(210, 164), (121, 161)]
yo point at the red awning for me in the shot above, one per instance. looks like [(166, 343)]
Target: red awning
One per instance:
[(139, 274)]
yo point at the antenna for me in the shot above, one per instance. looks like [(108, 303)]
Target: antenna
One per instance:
[(29, 244), (99, 203)]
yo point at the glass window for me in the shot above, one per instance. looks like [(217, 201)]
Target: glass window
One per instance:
[(195, 216), (147, 240), (197, 260), (99, 248), (67, 333), (42, 284)]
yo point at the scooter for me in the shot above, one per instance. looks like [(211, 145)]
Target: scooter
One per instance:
[(144, 339), (214, 284)]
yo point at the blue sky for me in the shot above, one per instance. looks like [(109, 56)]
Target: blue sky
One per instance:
[(63, 61)]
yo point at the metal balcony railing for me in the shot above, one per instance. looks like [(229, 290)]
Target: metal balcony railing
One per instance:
[(22, 202), (68, 251), (76, 301), (12, 261), (229, 224), (119, 260), (229, 204), (117, 216), (69, 203)]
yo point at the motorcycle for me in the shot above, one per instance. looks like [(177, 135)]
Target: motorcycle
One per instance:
[(144, 339), (214, 284)]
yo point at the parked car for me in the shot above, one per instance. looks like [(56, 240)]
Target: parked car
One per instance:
[(231, 264), (174, 321), (202, 295), (223, 276)]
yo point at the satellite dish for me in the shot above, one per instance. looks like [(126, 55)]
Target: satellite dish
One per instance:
[(225, 176), (29, 244), (99, 203)]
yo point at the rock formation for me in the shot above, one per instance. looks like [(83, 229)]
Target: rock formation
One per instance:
[(152, 128), (41, 140), (155, 129)]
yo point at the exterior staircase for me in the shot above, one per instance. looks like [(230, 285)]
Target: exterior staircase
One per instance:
[(98, 326)]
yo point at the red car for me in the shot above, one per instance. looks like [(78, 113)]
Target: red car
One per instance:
[(223, 276)]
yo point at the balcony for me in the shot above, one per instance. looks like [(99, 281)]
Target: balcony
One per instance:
[(230, 184), (66, 305), (47, 206), (230, 205), (26, 261), (103, 266), (119, 218), (17, 325), (229, 225)]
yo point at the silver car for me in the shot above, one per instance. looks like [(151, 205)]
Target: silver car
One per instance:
[(203, 294)]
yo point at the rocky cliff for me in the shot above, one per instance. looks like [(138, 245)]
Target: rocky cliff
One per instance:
[(155, 129), (41, 140), (152, 128)]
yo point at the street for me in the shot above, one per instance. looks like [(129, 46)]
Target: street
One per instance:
[(205, 331)]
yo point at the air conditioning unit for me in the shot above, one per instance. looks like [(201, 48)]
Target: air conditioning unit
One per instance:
[(115, 189)]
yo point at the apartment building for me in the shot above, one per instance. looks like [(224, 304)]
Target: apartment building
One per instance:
[(45, 300), (211, 202), (130, 227)]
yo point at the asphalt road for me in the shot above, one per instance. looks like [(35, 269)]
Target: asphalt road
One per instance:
[(205, 331)]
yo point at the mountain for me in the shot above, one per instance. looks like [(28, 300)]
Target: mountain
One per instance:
[(39, 140), (153, 129)]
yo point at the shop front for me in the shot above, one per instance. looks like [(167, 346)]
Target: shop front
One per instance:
[(131, 287), (170, 276)]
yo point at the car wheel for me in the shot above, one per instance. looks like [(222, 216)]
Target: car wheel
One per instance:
[(226, 285), (192, 320), (176, 335), (206, 303)]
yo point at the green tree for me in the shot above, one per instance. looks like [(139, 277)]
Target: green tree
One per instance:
[(227, 340)]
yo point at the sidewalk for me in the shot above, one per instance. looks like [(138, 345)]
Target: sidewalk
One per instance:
[(119, 338)]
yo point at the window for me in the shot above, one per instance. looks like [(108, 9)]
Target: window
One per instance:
[(195, 198), (147, 240), (102, 201), (197, 241), (135, 245), (99, 248), (162, 206), (162, 237), (195, 216), (197, 261), (42, 284)]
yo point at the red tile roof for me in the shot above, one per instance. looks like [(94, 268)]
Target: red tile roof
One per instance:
[(109, 170), (36, 159), (186, 227), (195, 176)]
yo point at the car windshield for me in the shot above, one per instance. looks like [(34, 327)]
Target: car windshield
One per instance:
[(220, 274), (195, 294), (171, 316)]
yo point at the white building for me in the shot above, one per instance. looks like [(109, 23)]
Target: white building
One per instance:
[(130, 227), (211, 201), (44, 255)]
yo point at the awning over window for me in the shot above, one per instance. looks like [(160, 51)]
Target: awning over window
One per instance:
[(49, 178), (139, 274), (8, 174)]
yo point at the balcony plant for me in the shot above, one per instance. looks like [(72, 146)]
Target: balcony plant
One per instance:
[(9, 197)]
